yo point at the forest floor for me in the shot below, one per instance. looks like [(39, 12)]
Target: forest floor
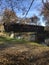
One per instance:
[(27, 53)]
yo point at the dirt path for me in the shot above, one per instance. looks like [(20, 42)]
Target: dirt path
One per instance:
[(24, 54)]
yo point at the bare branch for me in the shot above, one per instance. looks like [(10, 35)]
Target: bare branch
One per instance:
[(46, 5)]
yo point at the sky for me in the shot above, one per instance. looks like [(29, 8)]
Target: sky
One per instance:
[(34, 10)]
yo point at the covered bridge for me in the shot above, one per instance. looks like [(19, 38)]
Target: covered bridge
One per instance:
[(41, 33)]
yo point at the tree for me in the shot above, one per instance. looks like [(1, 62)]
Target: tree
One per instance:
[(45, 11), (9, 16), (34, 19), (26, 20)]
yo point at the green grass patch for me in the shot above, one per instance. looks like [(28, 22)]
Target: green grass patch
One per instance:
[(12, 40), (5, 40)]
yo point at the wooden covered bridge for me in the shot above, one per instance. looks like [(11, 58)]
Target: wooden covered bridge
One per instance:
[(41, 33)]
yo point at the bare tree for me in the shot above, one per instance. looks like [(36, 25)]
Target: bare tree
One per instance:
[(45, 11), (9, 16), (25, 21), (34, 19)]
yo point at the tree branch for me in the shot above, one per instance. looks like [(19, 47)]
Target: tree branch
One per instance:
[(46, 5)]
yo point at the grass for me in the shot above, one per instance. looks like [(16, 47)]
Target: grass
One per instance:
[(12, 40), (8, 40)]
